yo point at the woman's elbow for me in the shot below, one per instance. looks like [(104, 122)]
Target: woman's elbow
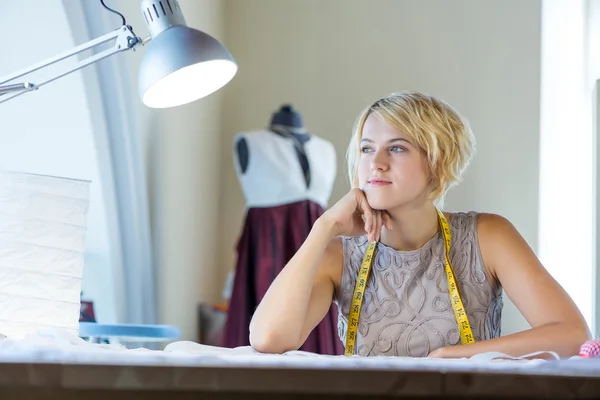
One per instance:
[(582, 334), (575, 337), (271, 342)]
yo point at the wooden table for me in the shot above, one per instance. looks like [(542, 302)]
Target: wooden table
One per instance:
[(36, 381)]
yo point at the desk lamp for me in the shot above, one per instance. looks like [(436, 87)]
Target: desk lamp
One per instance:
[(181, 64)]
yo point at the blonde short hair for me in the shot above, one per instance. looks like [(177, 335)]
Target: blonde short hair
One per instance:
[(433, 125)]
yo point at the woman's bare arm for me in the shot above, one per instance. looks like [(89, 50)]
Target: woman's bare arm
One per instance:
[(557, 325), (301, 295)]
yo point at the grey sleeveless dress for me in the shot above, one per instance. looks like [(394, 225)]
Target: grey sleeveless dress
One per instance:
[(406, 308)]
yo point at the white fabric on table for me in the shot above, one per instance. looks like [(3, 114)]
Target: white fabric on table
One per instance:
[(59, 346)]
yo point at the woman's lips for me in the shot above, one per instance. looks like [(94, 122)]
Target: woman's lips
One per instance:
[(378, 182)]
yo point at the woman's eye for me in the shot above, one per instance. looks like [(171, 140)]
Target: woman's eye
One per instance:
[(365, 150), (397, 149)]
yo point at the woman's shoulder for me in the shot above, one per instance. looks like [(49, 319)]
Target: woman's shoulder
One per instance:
[(484, 224), (494, 229), (458, 216), (462, 222), (474, 214)]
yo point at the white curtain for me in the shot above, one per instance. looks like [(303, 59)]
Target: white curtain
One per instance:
[(112, 98)]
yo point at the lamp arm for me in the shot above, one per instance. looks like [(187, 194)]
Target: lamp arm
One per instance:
[(125, 39)]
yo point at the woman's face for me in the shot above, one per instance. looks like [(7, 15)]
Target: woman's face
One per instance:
[(392, 170)]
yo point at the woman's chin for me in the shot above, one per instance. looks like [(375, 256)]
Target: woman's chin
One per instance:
[(379, 203)]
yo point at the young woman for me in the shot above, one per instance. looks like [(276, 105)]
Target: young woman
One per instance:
[(407, 150)]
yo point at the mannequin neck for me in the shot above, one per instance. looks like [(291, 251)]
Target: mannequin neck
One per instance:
[(299, 133)]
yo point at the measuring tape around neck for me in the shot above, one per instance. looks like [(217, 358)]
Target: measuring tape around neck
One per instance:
[(466, 335)]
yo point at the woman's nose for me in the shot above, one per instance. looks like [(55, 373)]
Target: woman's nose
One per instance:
[(379, 162)]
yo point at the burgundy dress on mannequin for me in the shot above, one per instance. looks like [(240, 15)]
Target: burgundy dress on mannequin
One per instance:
[(287, 181)]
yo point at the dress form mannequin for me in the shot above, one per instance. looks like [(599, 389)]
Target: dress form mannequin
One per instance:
[(287, 176), (286, 122)]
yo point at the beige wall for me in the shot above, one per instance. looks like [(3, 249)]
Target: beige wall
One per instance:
[(331, 58)]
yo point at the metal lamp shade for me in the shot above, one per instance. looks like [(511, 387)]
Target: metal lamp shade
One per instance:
[(182, 65)]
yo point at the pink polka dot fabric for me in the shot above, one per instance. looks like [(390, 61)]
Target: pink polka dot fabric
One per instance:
[(589, 349)]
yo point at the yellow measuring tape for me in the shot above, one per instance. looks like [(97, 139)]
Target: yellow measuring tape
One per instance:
[(466, 335)]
